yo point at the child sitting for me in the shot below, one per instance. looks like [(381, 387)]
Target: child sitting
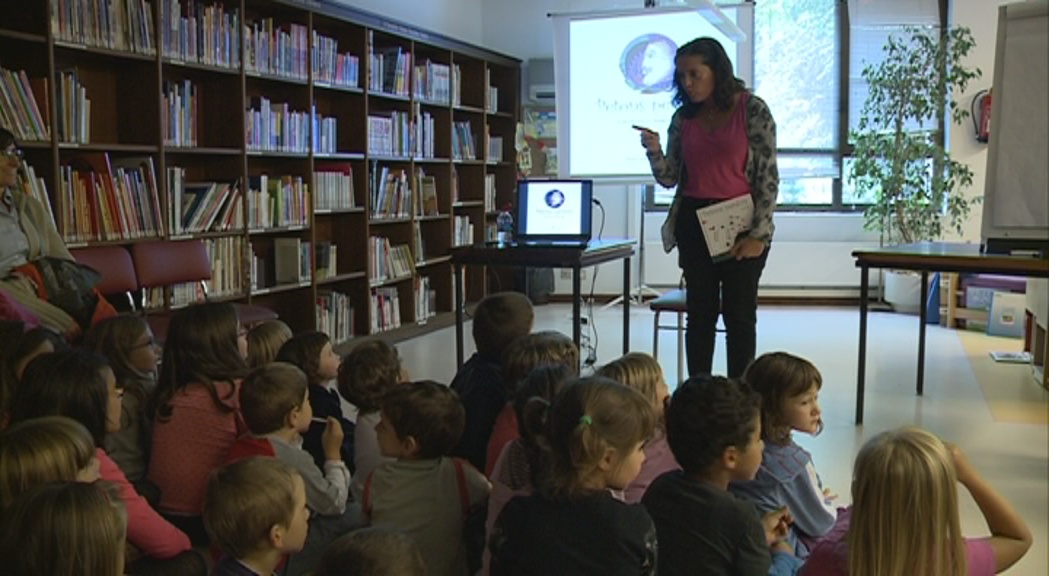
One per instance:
[(423, 492), (64, 529), (255, 510), (372, 552), (789, 388), (127, 342), (276, 409), (904, 516), (367, 373), (513, 471), (265, 340), (313, 354), (642, 373), (42, 450), (523, 356), (573, 525), (498, 321), (714, 430)]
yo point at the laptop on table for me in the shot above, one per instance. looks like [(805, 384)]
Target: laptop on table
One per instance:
[(554, 213)]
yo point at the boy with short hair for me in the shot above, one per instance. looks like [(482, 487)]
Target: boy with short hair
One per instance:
[(713, 427), (423, 492), (498, 321), (255, 511), (274, 402)]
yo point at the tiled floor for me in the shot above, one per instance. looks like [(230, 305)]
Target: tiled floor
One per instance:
[(999, 420)]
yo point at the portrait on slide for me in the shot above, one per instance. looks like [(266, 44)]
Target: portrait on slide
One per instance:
[(647, 63)]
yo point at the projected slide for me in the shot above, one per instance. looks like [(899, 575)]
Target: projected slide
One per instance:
[(620, 73), (554, 208)]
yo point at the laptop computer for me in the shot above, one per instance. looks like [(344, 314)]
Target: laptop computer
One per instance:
[(554, 212)]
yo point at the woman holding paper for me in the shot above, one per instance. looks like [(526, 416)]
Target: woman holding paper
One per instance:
[(721, 151)]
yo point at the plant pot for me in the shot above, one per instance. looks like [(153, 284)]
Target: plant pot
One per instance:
[(903, 291)]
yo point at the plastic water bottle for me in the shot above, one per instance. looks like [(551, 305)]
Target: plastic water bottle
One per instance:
[(504, 226)]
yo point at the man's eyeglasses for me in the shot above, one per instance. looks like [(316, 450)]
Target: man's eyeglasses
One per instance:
[(12, 153)]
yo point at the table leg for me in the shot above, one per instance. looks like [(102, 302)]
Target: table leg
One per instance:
[(862, 359), (626, 305), (457, 272), (577, 289), (921, 331)]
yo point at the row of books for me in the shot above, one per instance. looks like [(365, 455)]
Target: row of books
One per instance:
[(489, 192), (125, 25), (35, 187), (74, 109), (325, 134), (332, 67), (423, 140), (227, 266), (291, 260), (23, 105), (426, 202), (274, 127), (334, 315), (106, 200), (198, 207), (494, 147), (425, 300), (433, 82), (277, 202), (179, 119), (388, 262), (390, 69), (462, 231), (271, 49), (385, 309), (390, 193), (491, 103), (390, 136), (463, 143), (193, 31), (333, 188)]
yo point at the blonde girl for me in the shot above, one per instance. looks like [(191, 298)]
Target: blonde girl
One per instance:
[(904, 518), (265, 340), (41, 450), (642, 373), (64, 529), (592, 444), (312, 352), (789, 388), (128, 343)]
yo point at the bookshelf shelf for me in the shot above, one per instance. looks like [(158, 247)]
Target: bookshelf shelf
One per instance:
[(175, 111), (341, 278)]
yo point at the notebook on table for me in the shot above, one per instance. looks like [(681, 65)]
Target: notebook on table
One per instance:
[(554, 212)]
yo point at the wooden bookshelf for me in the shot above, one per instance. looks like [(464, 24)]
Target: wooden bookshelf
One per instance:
[(213, 110)]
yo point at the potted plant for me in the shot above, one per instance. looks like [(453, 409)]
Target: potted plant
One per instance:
[(901, 165)]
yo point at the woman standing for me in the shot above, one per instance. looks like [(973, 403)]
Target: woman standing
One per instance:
[(722, 145)]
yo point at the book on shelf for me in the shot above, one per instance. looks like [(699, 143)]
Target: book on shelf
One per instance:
[(463, 147), (109, 201), (491, 102), (179, 119), (420, 245), (126, 27), (463, 231), (432, 82), (495, 149), (227, 265), (24, 106), (333, 187), (291, 260), (35, 187), (192, 31), (276, 49), (275, 127), (385, 309), (422, 140), (331, 66), (427, 195), (74, 108), (425, 300), (335, 315), (325, 259), (391, 194), (489, 192), (279, 202)]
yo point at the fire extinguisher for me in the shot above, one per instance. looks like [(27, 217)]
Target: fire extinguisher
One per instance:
[(981, 114)]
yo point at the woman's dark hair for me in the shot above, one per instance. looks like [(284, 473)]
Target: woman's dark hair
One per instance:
[(304, 351), (201, 348), (706, 415), (726, 84), (7, 138), (16, 346), (68, 383)]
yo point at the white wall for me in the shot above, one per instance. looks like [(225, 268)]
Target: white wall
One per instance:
[(459, 19)]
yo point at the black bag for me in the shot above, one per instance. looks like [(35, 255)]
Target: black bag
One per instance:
[(70, 286)]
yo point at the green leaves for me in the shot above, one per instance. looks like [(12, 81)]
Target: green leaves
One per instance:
[(901, 165)]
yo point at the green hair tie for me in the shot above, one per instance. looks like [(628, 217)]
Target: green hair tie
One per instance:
[(586, 420)]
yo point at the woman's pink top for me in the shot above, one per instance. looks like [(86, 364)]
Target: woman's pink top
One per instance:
[(658, 461), (830, 557), (716, 159), (146, 530), (504, 431), (191, 443)]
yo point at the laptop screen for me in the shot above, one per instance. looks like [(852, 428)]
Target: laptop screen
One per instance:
[(554, 210)]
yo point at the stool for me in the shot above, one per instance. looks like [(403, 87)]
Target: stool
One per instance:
[(676, 302)]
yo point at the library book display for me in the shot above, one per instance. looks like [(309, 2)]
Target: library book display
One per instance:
[(331, 159)]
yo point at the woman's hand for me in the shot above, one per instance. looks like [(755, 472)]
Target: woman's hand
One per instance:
[(747, 247), (650, 140)]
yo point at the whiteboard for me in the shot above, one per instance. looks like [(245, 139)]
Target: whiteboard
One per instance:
[(1016, 193)]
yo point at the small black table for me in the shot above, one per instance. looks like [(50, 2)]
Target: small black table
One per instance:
[(573, 257)]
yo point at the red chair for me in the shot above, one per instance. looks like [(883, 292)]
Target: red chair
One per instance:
[(117, 270), (166, 263)]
